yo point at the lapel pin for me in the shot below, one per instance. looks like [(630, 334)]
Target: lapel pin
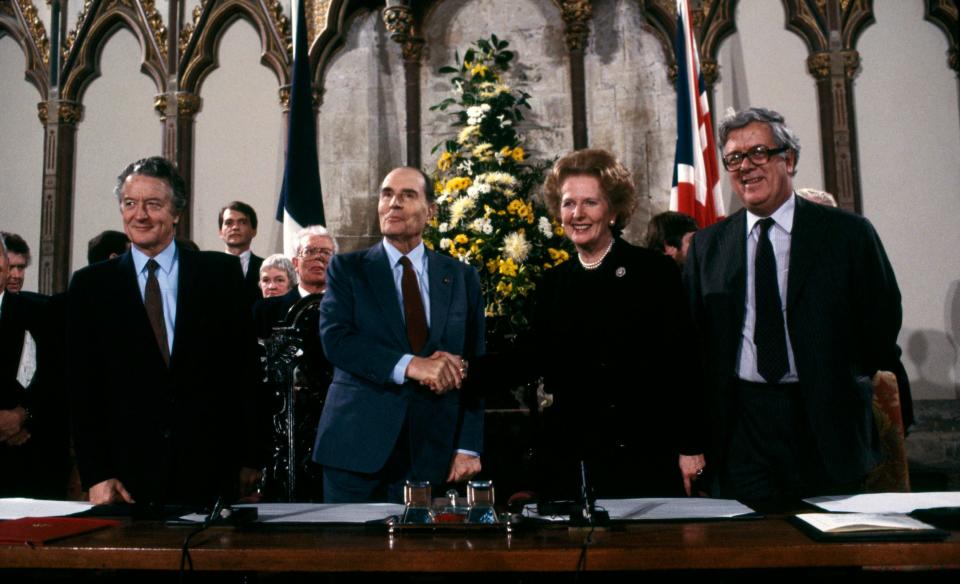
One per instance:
[(447, 280), (621, 271)]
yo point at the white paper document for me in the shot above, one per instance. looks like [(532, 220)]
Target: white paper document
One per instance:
[(317, 512), (886, 502), (17, 508), (857, 522), (660, 509)]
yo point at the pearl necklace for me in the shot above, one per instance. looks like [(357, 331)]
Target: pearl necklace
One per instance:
[(596, 264)]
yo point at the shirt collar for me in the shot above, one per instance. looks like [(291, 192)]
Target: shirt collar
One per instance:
[(2, 292), (417, 255), (165, 258), (783, 216)]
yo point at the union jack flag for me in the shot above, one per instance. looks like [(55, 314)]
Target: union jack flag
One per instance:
[(696, 177)]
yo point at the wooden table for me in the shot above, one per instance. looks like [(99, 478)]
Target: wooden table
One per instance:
[(718, 545)]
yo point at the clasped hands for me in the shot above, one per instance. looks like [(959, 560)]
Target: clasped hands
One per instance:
[(440, 372), (12, 431)]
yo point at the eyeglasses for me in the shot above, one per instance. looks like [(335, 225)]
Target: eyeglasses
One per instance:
[(759, 155), (323, 253)]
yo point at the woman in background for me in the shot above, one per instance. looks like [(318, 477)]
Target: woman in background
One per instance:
[(277, 276)]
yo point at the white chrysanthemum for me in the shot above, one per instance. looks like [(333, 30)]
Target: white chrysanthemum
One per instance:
[(545, 228), (445, 243), (473, 191), (466, 133), (443, 227), (516, 246), (442, 198), (459, 208), (481, 224), (466, 167), (497, 178)]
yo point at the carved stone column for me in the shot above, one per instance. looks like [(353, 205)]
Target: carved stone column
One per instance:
[(177, 111), (576, 15), (834, 72), (398, 18), (59, 118)]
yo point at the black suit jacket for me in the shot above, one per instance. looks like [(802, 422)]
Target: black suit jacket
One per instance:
[(176, 434), (270, 312), (843, 317), (38, 467), (251, 281)]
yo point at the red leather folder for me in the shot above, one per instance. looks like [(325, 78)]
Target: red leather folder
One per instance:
[(36, 531)]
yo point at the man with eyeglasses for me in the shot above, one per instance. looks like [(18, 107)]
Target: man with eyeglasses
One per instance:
[(314, 248), (798, 307)]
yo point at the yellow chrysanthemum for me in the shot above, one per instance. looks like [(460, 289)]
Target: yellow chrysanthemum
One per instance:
[(504, 288), (515, 206), (492, 265), (461, 238), (508, 267), (477, 70), (445, 161), (456, 184)]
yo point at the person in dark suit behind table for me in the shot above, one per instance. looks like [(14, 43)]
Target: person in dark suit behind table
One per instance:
[(399, 323), (797, 306), (237, 223), (163, 360)]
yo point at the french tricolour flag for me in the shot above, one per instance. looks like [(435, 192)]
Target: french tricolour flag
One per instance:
[(696, 178), (301, 201)]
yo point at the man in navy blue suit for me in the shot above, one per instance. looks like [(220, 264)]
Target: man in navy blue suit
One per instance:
[(400, 324)]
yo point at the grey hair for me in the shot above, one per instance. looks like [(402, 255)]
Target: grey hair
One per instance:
[(782, 135), (159, 168), (280, 262), (309, 231)]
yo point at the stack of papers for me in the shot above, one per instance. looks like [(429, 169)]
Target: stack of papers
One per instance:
[(317, 512), (886, 502), (16, 508), (659, 509)]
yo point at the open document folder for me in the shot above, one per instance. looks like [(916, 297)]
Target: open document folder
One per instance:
[(656, 509)]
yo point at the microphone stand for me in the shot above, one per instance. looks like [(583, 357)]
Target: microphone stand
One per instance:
[(588, 515)]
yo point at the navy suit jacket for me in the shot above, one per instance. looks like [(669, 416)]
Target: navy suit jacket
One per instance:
[(364, 336), (170, 435), (843, 317)]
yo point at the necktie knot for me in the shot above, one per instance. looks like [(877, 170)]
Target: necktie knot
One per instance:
[(152, 266), (765, 225)]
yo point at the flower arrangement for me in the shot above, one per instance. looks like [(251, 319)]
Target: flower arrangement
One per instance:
[(486, 212)]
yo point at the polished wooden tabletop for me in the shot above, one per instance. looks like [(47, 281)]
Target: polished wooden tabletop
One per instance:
[(759, 543)]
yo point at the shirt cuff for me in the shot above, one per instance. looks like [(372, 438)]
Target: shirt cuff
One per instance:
[(468, 452), (399, 375)]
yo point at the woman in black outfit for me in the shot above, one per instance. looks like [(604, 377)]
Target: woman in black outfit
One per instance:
[(615, 345)]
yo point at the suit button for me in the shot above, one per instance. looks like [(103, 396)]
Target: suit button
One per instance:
[(166, 434)]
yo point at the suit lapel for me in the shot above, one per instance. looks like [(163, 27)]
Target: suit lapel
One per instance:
[(186, 298), (806, 237), (732, 249), (441, 289), (379, 275)]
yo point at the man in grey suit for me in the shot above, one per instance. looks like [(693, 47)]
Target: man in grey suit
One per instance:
[(798, 307), (400, 324)]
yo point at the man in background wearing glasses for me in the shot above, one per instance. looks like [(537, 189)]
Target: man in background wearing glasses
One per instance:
[(797, 307)]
